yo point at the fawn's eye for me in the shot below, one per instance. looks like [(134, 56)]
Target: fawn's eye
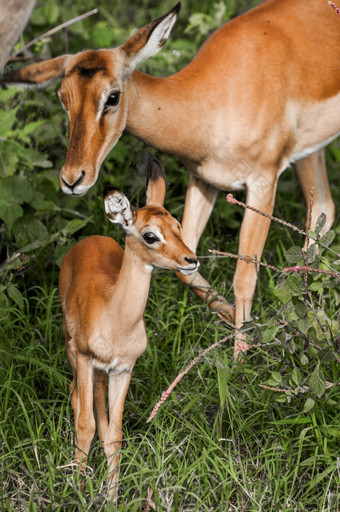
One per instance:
[(150, 238), (112, 100)]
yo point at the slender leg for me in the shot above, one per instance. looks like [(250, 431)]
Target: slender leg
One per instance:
[(253, 236), (312, 174), (118, 387), (85, 422), (99, 392), (199, 203)]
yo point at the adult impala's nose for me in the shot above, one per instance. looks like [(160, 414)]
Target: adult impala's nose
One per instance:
[(72, 187)]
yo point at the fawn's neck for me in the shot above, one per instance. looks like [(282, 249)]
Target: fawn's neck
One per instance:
[(131, 289)]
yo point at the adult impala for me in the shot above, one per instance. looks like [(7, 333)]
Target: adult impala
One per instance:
[(103, 292), (262, 93)]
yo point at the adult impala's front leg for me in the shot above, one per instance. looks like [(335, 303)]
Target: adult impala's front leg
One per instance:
[(199, 203), (253, 235)]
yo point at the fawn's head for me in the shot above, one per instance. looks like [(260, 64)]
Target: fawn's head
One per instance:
[(152, 233)]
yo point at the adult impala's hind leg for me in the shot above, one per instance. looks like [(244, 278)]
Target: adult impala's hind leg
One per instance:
[(199, 203), (312, 174), (99, 394)]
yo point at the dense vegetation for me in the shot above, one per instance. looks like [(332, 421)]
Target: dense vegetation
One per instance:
[(261, 436)]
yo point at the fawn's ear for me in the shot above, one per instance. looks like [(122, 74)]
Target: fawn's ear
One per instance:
[(148, 40), (37, 75), (155, 184), (118, 208)]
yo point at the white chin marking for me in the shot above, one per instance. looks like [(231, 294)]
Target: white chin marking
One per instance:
[(77, 191)]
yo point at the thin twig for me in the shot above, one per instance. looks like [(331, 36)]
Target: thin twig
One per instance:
[(230, 199), (166, 393), (54, 30), (311, 200), (247, 259), (335, 7), (311, 269), (9, 261)]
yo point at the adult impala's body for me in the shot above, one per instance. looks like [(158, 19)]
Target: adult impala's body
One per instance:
[(103, 291), (263, 92)]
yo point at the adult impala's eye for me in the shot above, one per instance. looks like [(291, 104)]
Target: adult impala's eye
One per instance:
[(150, 238), (112, 100)]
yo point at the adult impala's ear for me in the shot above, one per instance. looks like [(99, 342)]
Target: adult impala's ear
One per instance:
[(155, 184), (37, 75), (118, 208), (148, 40)]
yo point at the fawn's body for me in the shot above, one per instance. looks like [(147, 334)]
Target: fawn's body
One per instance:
[(103, 292)]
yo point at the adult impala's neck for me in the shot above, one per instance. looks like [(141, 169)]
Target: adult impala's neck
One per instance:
[(159, 113), (131, 289)]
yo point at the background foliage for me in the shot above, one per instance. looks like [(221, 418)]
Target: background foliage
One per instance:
[(260, 436)]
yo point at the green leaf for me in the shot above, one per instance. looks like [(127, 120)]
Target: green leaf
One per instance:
[(102, 37), (311, 253), (328, 238), (300, 307), (16, 296), (296, 376), (303, 359), (14, 191), (7, 120), (51, 11), (320, 223), (294, 255), (28, 229), (295, 284), (10, 212), (317, 381), (309, 404), (75, 225)]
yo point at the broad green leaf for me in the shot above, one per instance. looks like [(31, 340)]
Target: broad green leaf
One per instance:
[(320, 223), (101, 35), (7, 120), (10, 212), (28, 229), (51, 11), (75, 225), (328, 238), (300, 307), (311, 253), (309, 404), (317, 381), (294, 255), (303, 359), (16, 296), (295, 284), (296, 376), (14, 190)]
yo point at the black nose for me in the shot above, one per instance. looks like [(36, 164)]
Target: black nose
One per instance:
[(77, 182), (191, 260)]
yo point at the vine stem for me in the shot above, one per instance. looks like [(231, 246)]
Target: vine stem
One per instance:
[(53, 31)]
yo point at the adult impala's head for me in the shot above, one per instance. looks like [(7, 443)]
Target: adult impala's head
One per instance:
[(93, 93)]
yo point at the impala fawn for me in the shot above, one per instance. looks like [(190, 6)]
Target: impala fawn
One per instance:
[(103, 292)]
